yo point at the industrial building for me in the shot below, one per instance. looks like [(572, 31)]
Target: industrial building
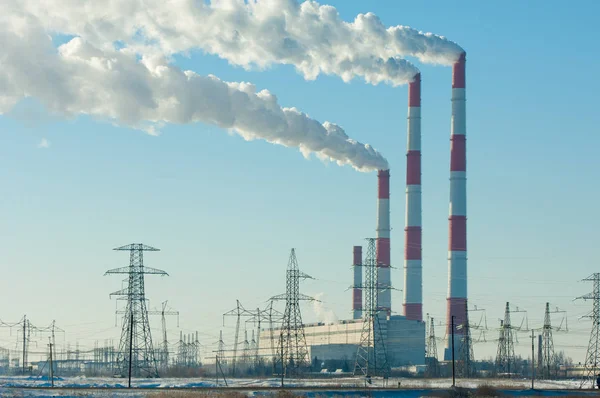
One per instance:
[(405, 343)]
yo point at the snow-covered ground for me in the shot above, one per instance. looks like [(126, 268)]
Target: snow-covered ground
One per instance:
[(10, 386), (102, 382), (24, 381)]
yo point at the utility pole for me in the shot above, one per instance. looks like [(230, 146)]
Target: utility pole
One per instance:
[(51, 365), (592, 358), (453, 376), (24, 342), (532, 357), (136, 314)]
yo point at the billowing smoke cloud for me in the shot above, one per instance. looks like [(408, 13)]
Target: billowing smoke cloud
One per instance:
[(146, 92), (310, 36)]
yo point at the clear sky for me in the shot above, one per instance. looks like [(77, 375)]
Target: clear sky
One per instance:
[(225, 212)]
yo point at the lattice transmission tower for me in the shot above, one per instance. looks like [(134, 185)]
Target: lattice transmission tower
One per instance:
[(592, 358), (135, 346), (246, 349), (371, 357), (259, 317), (505, 357), (163, 351), (293, 351), (165, 342), (547, 359), (431, 358), (221, 349), (465, 356)]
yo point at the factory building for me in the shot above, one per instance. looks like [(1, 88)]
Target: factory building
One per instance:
[(405, 343)]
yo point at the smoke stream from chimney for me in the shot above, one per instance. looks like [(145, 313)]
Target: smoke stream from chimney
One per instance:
[(144, 93), (254, 33)]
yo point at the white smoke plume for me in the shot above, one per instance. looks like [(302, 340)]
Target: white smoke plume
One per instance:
[(322, 313), (310, 36), (145, 92)]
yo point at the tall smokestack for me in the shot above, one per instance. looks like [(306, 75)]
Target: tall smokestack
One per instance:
[(383, 243), (413, 275), (357, 289), (457, 242)]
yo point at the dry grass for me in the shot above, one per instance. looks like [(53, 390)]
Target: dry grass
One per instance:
[(485, 390), (197, 394), (220, 394)]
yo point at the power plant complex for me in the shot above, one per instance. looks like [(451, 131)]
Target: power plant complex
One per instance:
[(123, 66), (404, 335)]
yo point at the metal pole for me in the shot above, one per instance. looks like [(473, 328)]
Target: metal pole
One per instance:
[(453, 375), (130, 346), (282, 367), (24, 342), (217, 369), (532, 359), (51, 368)]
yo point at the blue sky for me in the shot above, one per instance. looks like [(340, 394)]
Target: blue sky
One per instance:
[(226, 212)]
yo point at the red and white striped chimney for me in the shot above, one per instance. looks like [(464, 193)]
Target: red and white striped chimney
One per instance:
[(383, 243), (413, 275), (457, 250), (357, 286)]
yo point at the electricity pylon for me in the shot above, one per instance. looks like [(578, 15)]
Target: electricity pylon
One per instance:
[(505, 357), (371, 356), (136, 351), (165, 343), (465, 361), (293, 351), (547, 359), (238, 312), (254, 349), (592, 358), (246, 351), (258, 317), (431, 358), (221, 348), (164, 350), (269, 314)]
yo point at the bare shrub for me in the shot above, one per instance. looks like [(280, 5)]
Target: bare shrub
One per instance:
[(486, 390)]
